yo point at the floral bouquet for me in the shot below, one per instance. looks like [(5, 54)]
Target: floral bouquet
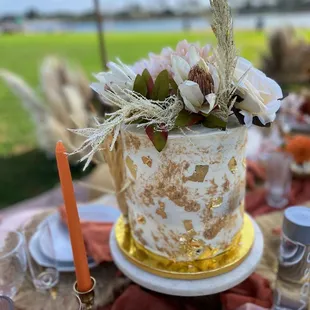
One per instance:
[(183, 87)]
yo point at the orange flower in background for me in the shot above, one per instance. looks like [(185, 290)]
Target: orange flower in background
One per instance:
[(299, 148)]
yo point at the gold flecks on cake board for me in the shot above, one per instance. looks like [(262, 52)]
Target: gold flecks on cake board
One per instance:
[(147, 160), (198, 175), (196, 269), (232, 165)]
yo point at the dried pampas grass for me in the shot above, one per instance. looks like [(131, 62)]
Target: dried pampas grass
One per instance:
[(115, 160), (225, 52)]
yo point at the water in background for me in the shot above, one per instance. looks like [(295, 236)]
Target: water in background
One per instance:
[(300, 20)]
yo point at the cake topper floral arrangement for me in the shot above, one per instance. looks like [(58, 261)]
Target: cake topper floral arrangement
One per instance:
[(183, 87)]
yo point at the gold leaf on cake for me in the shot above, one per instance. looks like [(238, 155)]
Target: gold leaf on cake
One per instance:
[(232, 165), (161, 210), (190, 247), (212, 189), (141, 219), (198, 175), (244, 163), (132, 142), (215, 203), (147, 160), (188, 225), (131, 166), (226, 184)]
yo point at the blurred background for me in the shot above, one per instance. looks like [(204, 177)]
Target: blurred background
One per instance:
[(49, 50)]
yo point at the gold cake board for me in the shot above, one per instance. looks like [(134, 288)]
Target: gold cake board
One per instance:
[(199, 283), (199, 269)]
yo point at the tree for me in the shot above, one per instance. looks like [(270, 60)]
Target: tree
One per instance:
[(32, 14)]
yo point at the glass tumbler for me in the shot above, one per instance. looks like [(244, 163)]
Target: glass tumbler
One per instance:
[(13, 262), (278, 179), (41, 255), (6, 303)]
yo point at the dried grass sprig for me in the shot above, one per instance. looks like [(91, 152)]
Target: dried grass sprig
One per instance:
[(225, 52), (132, 107)]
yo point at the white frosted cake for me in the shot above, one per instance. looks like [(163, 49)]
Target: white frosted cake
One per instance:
[(187, 202)]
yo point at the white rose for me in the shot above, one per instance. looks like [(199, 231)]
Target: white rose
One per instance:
[(261, 94)]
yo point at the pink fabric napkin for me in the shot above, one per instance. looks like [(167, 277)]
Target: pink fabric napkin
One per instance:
[(96, 236), (255, 290)]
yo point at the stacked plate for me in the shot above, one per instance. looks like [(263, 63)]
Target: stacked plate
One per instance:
[(44, 254)]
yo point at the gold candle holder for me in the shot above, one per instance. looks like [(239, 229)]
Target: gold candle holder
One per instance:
[(87, 298)]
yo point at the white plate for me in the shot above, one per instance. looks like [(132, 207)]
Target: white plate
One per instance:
[(38, 256), (60, 234)]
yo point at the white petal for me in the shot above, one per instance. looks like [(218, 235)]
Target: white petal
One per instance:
[(206, 51), (248, 119), (182, 46), (166, 51), (215, 76), (127, 69), (211, 98), (117, 71), (194, 56), (98, 87), (180, 69), (252, 102), (275, 88), (191, 92), (273, 106), (189, 106), (243, 64), (101, 76), (208, 106), (269, 114)]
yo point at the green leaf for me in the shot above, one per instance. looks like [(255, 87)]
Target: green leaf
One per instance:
[(148, 80), (186, 118), (174, 87), (161, 86), (212, 121), (140, 86), (158, 138)]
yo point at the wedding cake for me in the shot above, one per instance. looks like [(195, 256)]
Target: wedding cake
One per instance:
[(187, 202), (180, 124)]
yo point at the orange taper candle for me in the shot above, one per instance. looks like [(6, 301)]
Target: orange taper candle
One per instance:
[(84, 282)]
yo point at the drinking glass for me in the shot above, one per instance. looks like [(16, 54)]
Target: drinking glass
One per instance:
[(278, 179), (6, 303), (41, 255), (13, 262)]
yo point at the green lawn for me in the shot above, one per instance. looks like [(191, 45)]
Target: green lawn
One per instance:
[(24, 171)]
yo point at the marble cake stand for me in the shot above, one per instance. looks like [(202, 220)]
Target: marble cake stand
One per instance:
[(202, 287)]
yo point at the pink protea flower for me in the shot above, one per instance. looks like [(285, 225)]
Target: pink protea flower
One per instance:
[(163, 61)]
